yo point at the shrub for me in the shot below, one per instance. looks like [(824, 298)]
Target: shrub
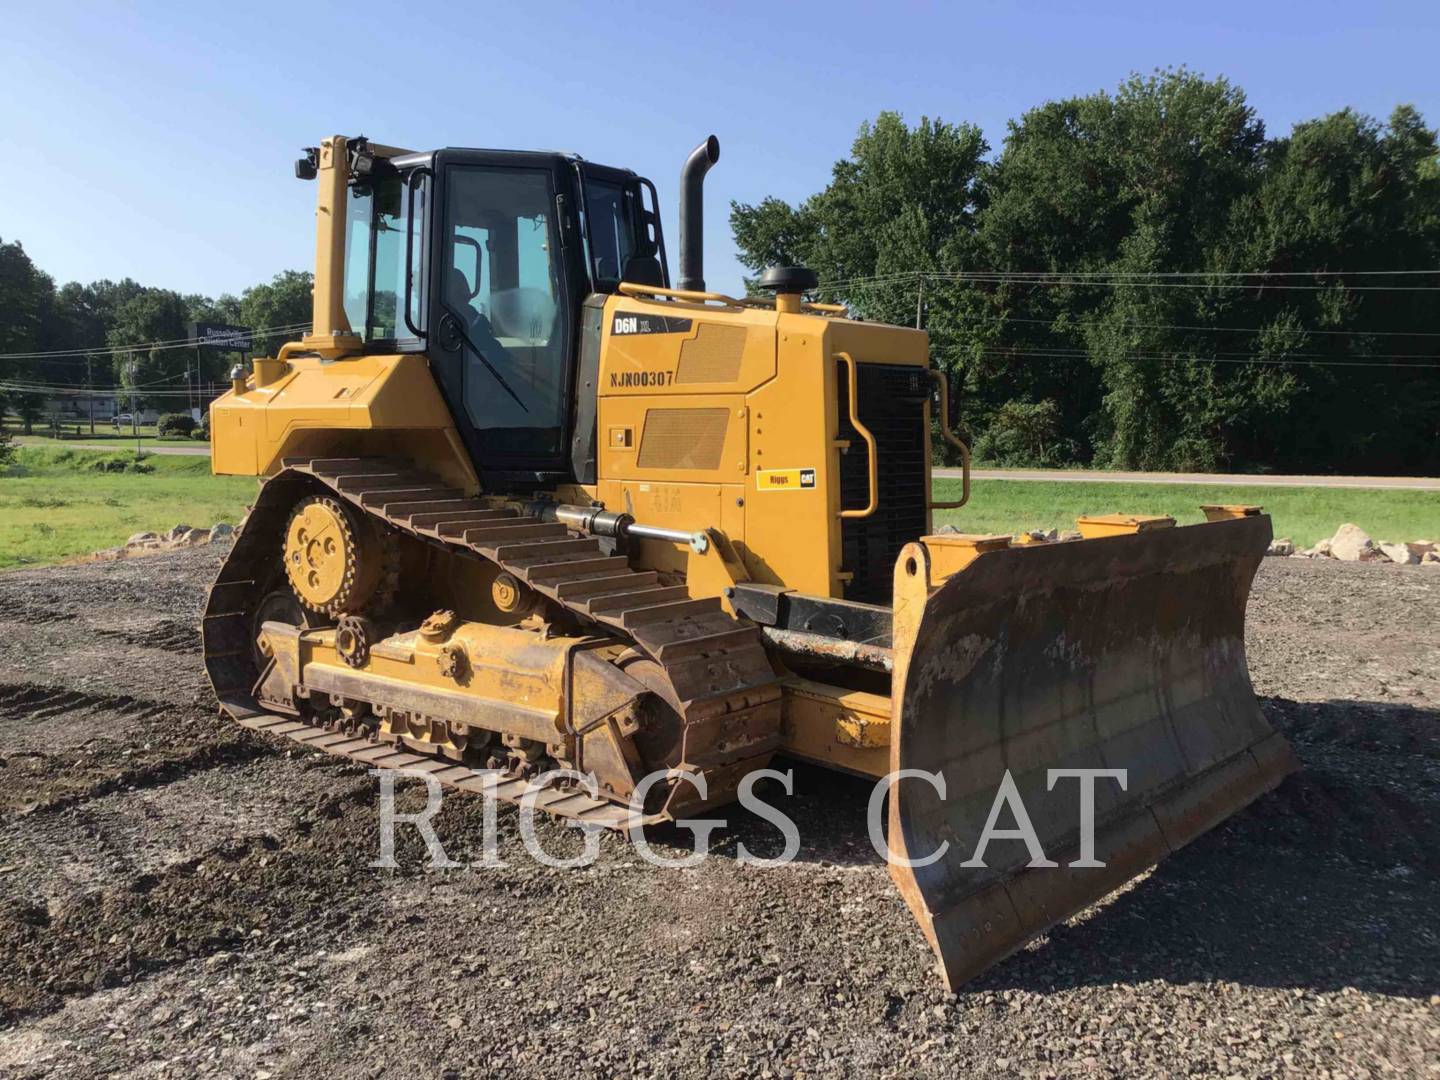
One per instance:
[(201, 434), (1022, 433), (119, 463), (175, 424)]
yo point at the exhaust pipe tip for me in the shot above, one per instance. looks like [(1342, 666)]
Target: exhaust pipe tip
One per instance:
[(709, 149), (692, 214)]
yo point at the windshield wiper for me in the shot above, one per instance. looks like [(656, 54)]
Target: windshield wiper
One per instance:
[(465, 337)]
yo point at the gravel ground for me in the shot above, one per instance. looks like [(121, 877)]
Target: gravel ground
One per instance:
[(180, 897)]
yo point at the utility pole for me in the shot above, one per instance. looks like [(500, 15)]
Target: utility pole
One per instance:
[(195, 402), (90, 392), (919, 300), (134, 409)]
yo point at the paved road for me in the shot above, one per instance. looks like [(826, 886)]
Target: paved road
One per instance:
[(1398, 483)]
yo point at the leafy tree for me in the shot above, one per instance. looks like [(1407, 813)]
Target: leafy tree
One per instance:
[(152, 315), (1143, 278), (27, 317), (285, 300), (903, 202), (1138, 183)]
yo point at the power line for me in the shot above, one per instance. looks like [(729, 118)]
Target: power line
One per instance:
[(1062, 280), (149, 346), (1022, 353), (1225, 329), (914, 276), (1117, 278), (1210, 273), (72, 391)]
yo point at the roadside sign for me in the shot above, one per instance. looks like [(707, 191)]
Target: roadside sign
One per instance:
[(220, 336)]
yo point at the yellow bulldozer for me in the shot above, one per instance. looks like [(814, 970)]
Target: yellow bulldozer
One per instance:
[(530, 510)]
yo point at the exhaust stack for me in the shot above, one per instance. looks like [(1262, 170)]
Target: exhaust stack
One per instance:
[(692, 214)]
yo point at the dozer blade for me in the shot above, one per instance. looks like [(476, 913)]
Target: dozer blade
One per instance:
[(1120, 653)]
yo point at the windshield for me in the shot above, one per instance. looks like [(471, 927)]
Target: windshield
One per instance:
[(501, 286)]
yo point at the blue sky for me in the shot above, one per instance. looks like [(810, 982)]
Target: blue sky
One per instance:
[(156, 140)]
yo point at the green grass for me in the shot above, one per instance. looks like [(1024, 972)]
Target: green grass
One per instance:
[(1305, 515), (56, 505)]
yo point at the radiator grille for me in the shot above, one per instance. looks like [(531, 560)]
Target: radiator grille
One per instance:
[(892, 405), (712, 355), (683, 438)]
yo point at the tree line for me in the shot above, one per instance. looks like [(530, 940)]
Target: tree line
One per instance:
[(102, 335), (1147, 279)]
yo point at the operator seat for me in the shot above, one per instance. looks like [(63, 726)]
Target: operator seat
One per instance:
[(476, 326)]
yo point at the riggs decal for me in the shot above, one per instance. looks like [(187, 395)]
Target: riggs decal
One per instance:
[(631, 322)]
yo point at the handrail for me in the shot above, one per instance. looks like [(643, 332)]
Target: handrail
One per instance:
[(630, 288), (412, 185), (950, 437), (864, 433)]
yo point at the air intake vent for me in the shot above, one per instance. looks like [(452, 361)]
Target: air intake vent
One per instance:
[(683, 438), (712, 355)]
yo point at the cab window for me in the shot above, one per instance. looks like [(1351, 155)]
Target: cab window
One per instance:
[(375, 244)]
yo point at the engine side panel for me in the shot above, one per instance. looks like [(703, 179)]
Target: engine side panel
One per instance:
[(731, 417)]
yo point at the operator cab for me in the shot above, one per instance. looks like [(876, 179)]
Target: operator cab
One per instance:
[(483, 259)]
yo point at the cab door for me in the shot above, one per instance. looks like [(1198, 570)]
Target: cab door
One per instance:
[(506, 277)]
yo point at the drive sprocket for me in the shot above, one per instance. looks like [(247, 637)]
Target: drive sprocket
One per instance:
[(334, 558)]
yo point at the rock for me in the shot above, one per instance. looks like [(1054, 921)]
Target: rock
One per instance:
[(1283, 546), (1421, 548), (142, 538), (177, 532), (1399, 553), (195, 537), (1320, 550), (220, 531), (1069, 534), (1353, 544), (110, 554), (1430, 558)]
